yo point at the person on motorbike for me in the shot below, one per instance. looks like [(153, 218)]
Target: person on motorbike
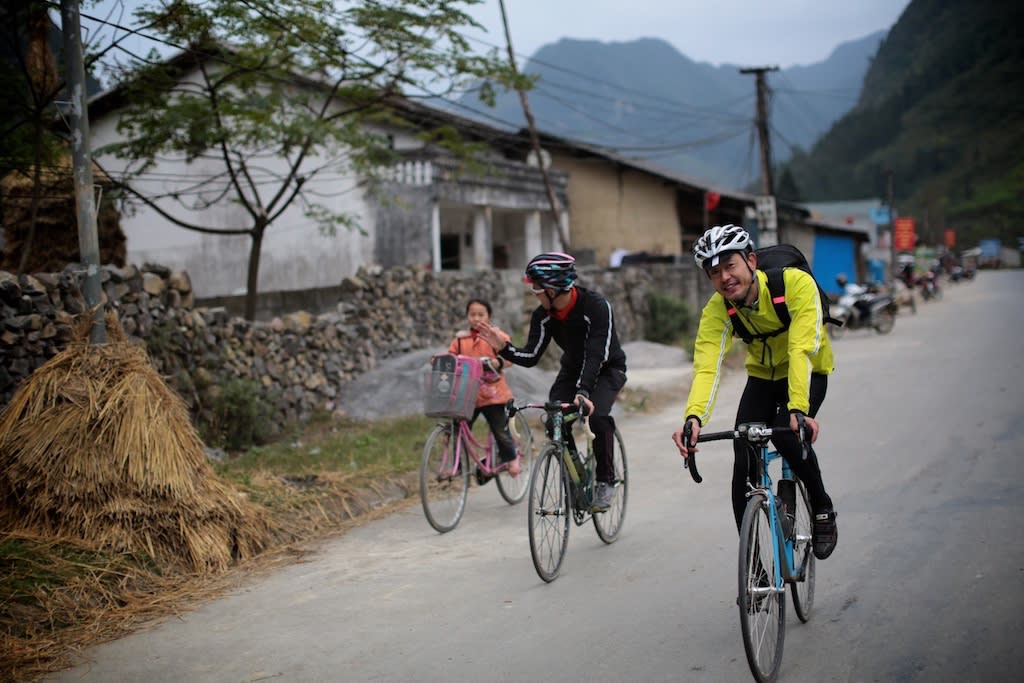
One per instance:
[(786, 372)]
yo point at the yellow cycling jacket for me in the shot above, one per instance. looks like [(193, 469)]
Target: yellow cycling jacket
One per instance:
[(793, 355)]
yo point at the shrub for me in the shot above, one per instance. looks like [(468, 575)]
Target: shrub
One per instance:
[(239, 416), (669, 319)]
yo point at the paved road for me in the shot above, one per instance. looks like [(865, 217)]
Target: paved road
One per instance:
[(922, 442)]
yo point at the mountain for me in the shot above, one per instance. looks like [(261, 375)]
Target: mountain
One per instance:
[(942, 109), (644, 98)]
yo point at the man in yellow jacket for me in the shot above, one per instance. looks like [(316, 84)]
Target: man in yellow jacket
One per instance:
[(787, 368)]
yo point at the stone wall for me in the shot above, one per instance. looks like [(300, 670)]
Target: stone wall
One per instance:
[(303, 361)]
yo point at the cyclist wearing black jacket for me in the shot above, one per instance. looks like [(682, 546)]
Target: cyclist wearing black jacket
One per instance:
[(593, 365)]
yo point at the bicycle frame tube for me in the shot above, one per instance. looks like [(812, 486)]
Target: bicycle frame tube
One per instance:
[(474, 447), (559, 421), (784, 546)]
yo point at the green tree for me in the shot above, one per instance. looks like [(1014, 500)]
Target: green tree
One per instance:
[(299, 81)]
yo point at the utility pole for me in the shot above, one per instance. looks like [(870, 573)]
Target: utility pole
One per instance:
[(563, 231), (769, 232), (81, 157), (892, 224)]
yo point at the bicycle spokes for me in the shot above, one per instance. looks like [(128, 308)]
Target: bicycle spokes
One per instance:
[(762, 608), (444, 479), (548, 514)]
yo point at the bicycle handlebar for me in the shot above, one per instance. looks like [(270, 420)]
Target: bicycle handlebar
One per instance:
[(753, 433), (547, 406)]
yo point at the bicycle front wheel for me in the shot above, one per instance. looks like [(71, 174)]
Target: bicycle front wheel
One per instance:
[(803, 558), (762, 608), (444, 478), (513, 489), (549, 513), (609, 523)]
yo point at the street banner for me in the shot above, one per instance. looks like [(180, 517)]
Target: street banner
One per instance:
[(950, 238), (904, 234)]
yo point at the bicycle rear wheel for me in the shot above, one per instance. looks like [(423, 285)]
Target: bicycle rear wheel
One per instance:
[(762, 608), (609, 523), (549, 513), (803, 558), (513, 489), (444, 482)]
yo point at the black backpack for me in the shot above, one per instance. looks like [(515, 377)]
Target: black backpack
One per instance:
[(772, 260)]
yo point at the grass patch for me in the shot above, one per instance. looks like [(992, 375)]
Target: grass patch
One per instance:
[(344, 445)]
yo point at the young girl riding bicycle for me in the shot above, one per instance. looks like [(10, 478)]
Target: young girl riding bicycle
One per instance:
[(494, 390)]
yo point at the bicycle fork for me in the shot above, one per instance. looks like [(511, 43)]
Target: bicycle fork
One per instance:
[(782, 548)]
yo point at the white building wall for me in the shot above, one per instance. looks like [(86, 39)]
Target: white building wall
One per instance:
[(294, 255)]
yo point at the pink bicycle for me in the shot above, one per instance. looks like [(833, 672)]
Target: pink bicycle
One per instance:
[(447, 457), (452, 450)]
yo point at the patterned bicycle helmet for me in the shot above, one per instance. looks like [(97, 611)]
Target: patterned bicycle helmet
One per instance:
[(721, 239), (552, 270)]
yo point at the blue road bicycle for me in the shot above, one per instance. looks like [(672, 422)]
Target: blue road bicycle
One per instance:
[(775, 550)]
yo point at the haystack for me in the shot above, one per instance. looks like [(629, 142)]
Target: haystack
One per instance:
[(95, 446), (55, 241)]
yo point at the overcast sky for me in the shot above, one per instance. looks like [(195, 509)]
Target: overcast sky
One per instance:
[(742, 32)]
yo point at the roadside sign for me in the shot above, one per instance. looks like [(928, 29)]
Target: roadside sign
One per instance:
[(880, 215), (766, 212), (904, 234)]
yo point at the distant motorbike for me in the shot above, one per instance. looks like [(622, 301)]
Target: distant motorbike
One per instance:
[(960, 274), (904, 296), (928, 284), (865, 310)]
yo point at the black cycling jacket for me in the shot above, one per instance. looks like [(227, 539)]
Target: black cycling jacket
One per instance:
[(587, 338)]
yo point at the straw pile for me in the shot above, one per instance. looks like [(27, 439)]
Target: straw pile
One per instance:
[(95, 446), (55, 240)]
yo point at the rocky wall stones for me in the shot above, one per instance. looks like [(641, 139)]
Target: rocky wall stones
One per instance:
[(299, 361)]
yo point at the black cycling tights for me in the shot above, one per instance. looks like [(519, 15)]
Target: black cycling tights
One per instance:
[(761, 402)]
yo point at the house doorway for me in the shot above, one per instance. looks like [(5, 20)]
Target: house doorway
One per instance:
[(450, 252)]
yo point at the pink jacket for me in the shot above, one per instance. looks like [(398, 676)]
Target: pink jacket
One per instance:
[(467, 343)]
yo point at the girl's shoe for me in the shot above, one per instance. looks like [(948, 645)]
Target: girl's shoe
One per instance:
[(514, 467)]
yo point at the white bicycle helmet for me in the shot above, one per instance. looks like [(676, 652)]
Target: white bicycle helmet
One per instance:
[(719, 240)]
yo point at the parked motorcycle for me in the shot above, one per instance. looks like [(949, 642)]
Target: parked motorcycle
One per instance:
[(864, 310)]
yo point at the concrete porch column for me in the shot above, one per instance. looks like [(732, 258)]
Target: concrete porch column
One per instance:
[(534, 243), (482, 256), (435, 236), (562, 229)]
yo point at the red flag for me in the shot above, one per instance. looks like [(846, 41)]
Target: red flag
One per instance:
[(711, 200)]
